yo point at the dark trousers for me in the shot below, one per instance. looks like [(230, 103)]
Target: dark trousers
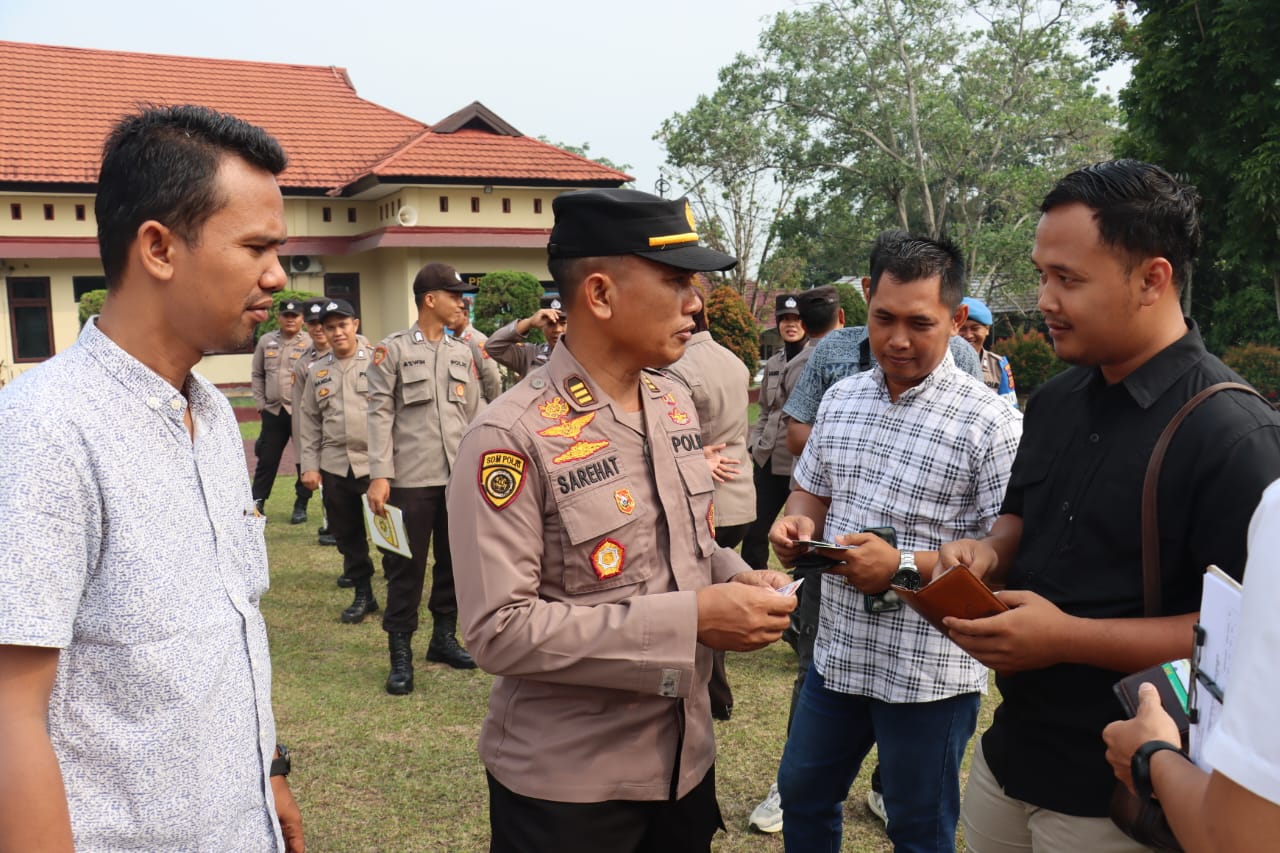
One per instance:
[(276, 432), (804, 620), (425, 521), (346, 522), (772, 491), (718, 688), (526, 825)]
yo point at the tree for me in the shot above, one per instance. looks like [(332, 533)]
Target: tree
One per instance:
[(583, 151), (273, 320), (854, 306), (505, 295), (90, 304), (938, 116), (732, 325), (1202, 103)]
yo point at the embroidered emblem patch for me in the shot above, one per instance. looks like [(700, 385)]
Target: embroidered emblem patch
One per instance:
[(554, 409), (607, 559), (272, 353), (501, 476), (322, 393), (379, 355), (460, 390), (321, 374), (626, 503), (568, 429), (678, 416), (711, 518), (579, 391), (581, 450)]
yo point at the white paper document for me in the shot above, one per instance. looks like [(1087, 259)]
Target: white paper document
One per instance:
[(386, 531), (1220, 619)]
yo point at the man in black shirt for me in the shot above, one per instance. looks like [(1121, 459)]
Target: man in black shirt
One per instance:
[(1114, 247)]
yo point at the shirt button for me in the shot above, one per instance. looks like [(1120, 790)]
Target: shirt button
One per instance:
[(1093, 437), (1066, 505), (175, 405), (153, 402)]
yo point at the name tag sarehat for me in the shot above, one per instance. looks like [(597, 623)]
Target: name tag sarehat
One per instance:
[(599, 223)]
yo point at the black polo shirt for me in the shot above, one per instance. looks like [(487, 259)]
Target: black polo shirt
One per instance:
[(1077, 485)]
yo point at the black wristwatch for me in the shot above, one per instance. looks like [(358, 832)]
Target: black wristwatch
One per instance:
[(282, 765), (1140, 766), (907, 576)]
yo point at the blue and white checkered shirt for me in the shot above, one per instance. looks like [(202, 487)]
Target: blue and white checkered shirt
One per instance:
[(135, 551), (934, 466)]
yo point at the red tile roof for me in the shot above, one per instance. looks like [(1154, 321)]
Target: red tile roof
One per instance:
[(58, 104)]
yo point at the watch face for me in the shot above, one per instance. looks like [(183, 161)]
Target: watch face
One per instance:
[(907, 579)]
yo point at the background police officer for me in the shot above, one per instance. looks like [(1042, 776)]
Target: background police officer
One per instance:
[(423, 391), (271, 375), (509, 348)]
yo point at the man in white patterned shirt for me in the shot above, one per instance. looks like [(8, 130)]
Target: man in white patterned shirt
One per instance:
[(918, 445), (135, 678)]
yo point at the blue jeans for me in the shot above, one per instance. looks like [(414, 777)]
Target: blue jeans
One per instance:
[(921, 746)]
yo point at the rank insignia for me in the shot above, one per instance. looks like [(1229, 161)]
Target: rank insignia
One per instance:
[(648, 383), (321, 374), (379, 355), (626, 503), (711, 518), (501, 476), (607, 559), (579, 391), (272, 353), (581, 450), (460, 390), (678, 417), (669, 399), (322, 393), (554, 409)]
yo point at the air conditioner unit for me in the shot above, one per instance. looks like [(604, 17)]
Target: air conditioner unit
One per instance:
[(305, 265)]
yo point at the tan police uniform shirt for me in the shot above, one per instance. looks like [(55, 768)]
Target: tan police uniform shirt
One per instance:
[(510, 349), (581, 535), (490, 380), (309, 355), (767, 440), (333, 414), (271, 373), (422, 395), (718, 381)]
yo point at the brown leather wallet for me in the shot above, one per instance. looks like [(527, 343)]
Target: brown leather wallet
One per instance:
[(955, 593)]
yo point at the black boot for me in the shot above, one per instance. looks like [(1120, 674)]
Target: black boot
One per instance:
[(299, 513), (400, 681), (444, 646), (362, 606)]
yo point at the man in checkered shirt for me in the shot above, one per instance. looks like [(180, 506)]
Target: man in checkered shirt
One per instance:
[(918, 445)]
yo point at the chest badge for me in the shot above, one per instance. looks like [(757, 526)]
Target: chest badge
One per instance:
[(321, 374), (501, 477), (460, 390), (554, 409), (678, 417), (607, 559), (272, 353), (571, 429), (626, 503)]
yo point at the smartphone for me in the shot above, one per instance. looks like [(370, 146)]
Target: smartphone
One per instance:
[(816, 543), (887, 601)]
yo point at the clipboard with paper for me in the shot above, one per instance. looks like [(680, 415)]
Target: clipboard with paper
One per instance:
[(386, 531), (1215, 640)]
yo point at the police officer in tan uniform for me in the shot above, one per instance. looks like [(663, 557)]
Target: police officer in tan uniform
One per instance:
[(589, 579), (423, 391), (717, 381), (490, 380), (509, 348), (311, 310), (271, 375), (333, 445)]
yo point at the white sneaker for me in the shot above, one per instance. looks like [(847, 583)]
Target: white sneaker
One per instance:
[(767, 817), (875, 802)]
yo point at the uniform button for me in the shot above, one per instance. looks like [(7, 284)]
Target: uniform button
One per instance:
[(537, 383), (1093, 437), (1066, 505)]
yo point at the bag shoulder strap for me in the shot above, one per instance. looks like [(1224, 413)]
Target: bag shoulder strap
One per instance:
[(1151, 603)]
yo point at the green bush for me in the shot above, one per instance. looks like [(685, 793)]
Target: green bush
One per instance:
[(732, 325), (90, 304), (855, 309), (1246, 316), (273, 322), (1259, 365), (506, 295), (1032, 359)]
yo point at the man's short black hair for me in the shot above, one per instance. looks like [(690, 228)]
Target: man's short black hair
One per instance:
[(910, 258), (162, 164), (1140, 209)]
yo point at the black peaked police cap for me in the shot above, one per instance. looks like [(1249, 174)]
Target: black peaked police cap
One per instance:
[(598, 223)]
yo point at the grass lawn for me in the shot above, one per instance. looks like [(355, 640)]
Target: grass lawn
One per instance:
[(399, 774)]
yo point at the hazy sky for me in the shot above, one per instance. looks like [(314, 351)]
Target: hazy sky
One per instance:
[(577, 71)]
